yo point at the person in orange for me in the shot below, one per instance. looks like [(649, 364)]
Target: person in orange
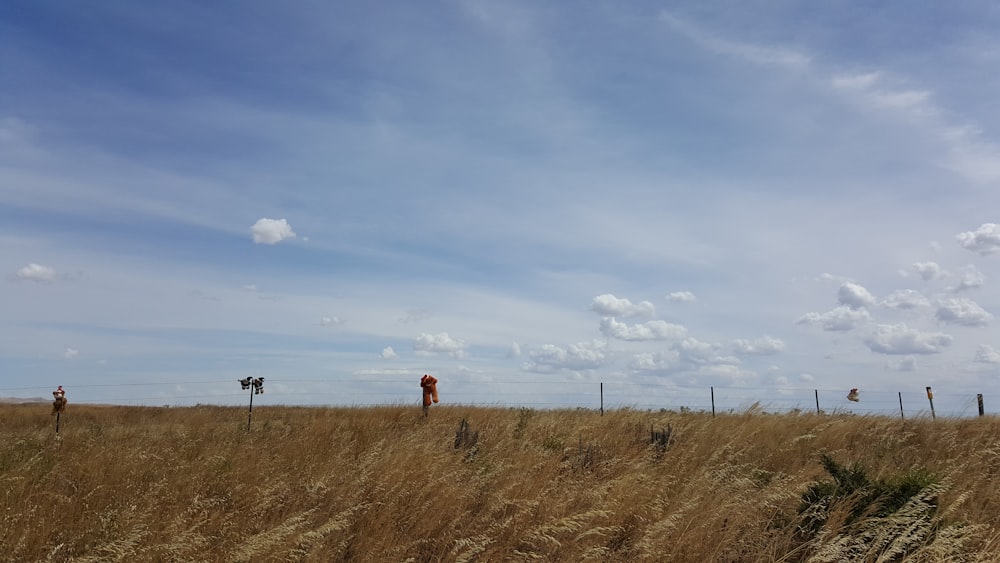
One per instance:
[(429, 384)]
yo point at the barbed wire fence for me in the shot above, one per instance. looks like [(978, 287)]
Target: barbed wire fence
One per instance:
[(912, 402)]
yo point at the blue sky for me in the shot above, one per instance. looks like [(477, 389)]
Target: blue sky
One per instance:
[(525, 199)]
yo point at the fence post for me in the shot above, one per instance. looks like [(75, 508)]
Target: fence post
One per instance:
[(930, 399), (602, 398), (979, 399), (713, 400), (901, 406), (817, 400)]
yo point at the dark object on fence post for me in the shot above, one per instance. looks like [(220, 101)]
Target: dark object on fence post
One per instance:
[(602, 398), (930, 399), (58, 404), (979, 399), (428, 384), (256, 386), (816, 391), (713, 401), (901, 406)]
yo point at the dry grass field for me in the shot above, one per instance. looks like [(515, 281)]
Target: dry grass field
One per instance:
[(385, 484)]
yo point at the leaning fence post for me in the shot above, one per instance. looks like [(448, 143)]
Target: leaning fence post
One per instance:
[(979, 399), (901, 406), (713, 401), (817, 400), (930, 399)]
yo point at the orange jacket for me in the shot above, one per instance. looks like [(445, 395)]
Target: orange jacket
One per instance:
[(429, 384)]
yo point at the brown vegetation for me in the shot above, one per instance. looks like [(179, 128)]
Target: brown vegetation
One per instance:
[(386, 484)]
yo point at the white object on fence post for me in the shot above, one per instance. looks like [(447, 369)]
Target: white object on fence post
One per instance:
[(930, 399)]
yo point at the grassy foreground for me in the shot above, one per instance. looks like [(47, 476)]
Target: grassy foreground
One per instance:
[(385, 484)]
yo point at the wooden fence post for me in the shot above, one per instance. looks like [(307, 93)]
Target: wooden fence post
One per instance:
[(713, 401), (817, 401), (979, 399), (602, 398), (901, 406), (930, 399)]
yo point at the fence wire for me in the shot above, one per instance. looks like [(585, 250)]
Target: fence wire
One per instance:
[(543, 394)]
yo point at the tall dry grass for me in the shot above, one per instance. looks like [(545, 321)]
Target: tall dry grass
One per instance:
[(385, 484)]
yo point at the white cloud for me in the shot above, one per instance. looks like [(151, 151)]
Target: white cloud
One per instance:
[(965, 312), (514, 351), (927, 270), (763, 346), (71, 353), (987, 354), (840, 319), (389, 354), (906, 299), (756, 54), (682, 297), (900, 339), (415, 316), (271, 231), (580, 356), (828, 277), (652, 330), (970, 278), (429, 344), (36, 273), (664, 360), (611, 306), (854, 296), (909, 363), (985, 240), (807, 377), (331, 321)]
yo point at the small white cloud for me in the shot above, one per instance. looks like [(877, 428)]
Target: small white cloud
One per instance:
[(514, 351), (840, 319), (984, 240), (682, 297), (909, 363), (652, 330), (389, 354), (906, 299), (611, 306), (763, 346), (36, 273), (970, 278), (429, 344), (71, 353), (271, 231), (828, 277), (414, 316), (807, 377), (580, 356), (927, 270), (965, 312), (987, 354), (900, 339), (854, 296), (331, 321), (655, 361), (250, 287)]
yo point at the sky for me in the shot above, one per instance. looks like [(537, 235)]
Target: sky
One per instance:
[(538, 203)]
